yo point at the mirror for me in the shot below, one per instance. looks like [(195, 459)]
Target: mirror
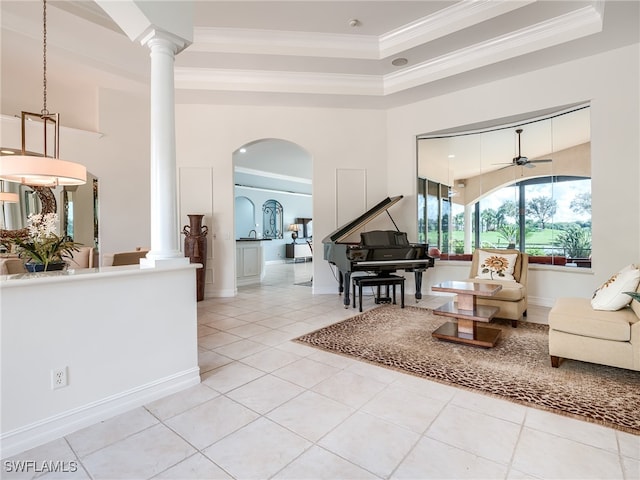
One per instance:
[(524, 185), (77, 209)]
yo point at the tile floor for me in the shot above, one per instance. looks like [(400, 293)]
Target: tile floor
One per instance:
[(271, 408)]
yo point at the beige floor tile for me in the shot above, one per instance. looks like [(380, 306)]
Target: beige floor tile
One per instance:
[(544, 455), (245, 454), (211, 421), (273, 337), (217, 339), (428, 388), (265, 393), (142, 455), (573, 429), (196, 467), (276, 321), (14, 468), (248, 330), (490, 437), (179, 402), (317, 463), (405, 408), (210, 360), (105, 433), (241, 349), (204, 330), (333, 359), (310, 415), (369, 442), (495, 407), (631, 468), (433, 459), (305, 372), (629, 445), (270, 360), (348, 388), (224, 323), (232, 375)]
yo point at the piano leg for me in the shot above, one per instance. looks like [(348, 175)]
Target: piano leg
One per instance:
[(418, 276), (346, 287)]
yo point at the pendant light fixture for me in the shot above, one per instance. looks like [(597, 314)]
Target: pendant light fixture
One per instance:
[(35, 170)]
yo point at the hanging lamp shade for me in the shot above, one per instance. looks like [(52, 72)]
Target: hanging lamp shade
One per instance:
[(42, 171)]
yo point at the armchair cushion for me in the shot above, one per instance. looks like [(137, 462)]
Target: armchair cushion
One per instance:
[(610, 295), (511, 291), (496, 266), (573, 315)]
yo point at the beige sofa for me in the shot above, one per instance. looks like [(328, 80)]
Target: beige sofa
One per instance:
[(579, 332)]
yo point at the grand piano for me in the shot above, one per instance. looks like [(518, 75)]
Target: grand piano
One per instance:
[(380, 251)]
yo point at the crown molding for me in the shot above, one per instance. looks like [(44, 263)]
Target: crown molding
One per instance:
[(190, 78), (444, 22), (271, 42), (367, 47), (564, 28)]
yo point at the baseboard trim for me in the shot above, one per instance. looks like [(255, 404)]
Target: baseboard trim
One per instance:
[(541, 301), (56, 426)]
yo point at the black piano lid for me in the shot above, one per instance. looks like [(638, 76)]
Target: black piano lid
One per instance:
[(346, 230)]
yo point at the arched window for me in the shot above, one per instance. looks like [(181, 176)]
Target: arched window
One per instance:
[(272, 226)]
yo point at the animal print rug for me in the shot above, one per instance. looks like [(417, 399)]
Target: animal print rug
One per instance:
[(517, 369)]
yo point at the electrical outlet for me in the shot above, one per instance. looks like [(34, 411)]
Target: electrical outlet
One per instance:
[(59, 378)]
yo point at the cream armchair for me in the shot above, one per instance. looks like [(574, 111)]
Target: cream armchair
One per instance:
[(512, 299), (83, 258)]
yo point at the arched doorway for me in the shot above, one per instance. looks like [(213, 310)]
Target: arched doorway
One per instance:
[(275, 172)]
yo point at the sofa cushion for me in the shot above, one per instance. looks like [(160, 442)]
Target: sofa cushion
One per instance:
[(610, 295), (496, 266), (511, 291), (575, 316)]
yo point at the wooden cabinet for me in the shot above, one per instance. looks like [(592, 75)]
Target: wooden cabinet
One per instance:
[(298, 250)]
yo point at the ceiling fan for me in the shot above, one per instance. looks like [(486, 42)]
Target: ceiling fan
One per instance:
[(522, 161)]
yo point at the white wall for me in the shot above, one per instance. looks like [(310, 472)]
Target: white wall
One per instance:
[(615, 123), (117, 358), (207, 135)]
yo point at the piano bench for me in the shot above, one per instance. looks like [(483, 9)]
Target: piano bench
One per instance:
[(378, 281)]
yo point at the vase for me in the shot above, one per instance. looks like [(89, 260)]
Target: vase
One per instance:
[(39, 267), (195, 247)]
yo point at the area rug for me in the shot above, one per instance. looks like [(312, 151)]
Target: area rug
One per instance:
[(517, 369)]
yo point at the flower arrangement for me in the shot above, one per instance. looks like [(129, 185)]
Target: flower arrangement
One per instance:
[(43, 245)]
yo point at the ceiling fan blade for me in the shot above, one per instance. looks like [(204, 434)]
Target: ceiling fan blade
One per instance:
[(545, 160)]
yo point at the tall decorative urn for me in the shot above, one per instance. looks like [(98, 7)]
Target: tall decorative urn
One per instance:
[(195, 247)]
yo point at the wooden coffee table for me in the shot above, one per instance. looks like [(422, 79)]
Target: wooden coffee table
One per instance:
[(467, 330)]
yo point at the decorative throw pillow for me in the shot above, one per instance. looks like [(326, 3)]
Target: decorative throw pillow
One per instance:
[(610, 295), (496, 266)]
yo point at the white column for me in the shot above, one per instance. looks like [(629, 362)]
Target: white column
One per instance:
[(165, 233)]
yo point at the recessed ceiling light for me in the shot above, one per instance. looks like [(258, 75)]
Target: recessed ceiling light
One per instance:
[(451, 156), (399, 62), (7, 152), (243, 150), (354, 22)]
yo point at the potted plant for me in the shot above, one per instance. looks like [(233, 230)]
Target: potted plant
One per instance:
[(43, 248), (634, 295)]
